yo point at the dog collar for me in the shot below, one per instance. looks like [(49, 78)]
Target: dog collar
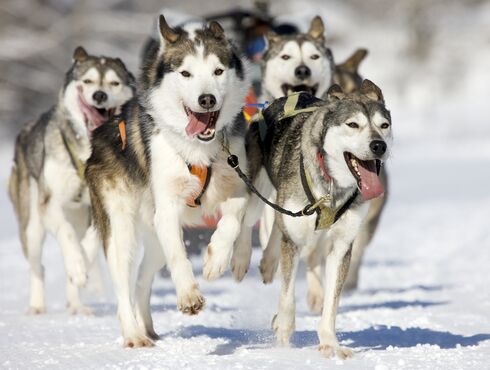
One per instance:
[(326, 215), (320, 157)]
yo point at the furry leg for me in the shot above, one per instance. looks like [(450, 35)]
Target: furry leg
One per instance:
[(336, 268), (240, 261), (218, 254), (34, 236), (120, 250), (153, 261), (66, 236), (283, 322), (314, 281), (167, 224), (271, 255), (91, 244)]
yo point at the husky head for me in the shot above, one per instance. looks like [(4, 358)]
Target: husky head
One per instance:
[(298, 62), (358, 137), (347, 74), (95, 88), (195, 81)]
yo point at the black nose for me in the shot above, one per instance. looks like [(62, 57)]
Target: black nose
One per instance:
[(302, 72), (99, 96), (378, 147), (207, 101)]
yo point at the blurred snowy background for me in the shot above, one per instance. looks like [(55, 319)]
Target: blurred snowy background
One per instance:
[(423, 300), (430, 57)]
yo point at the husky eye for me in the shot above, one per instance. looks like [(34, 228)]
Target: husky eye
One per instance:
[(87, 81), (218, 71), (315, 56), (114, 83), (185, 74), (352, 125), (285, 57), (385, 125)]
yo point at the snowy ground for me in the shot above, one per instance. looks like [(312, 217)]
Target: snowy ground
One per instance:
[(424, 297), (423, 303)]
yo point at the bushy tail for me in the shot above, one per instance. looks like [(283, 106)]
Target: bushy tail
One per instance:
[(19, 193)]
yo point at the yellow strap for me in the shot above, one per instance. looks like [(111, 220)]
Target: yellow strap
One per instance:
[(290, 107)]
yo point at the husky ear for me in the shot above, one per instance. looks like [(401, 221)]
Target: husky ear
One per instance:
[(167, 33), (317, 29), (335, 92), (216, 30), (79, 54), (372, 91), (271, 37), (352, 63)]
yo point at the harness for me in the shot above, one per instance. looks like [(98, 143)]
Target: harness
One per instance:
[(203, 173), (75, 160), (327, 215)]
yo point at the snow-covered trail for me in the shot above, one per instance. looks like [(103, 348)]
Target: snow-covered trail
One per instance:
[(423, 303)]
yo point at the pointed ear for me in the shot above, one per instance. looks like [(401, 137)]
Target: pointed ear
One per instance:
[(352, 63), (317, 29), (79, 54), (335, 92), (372, 91), (166, 32), (271, 37), (216, 30)]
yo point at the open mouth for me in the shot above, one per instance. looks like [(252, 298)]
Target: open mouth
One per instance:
[(202, 125), (366, 174), (94, 117), (289, 89)]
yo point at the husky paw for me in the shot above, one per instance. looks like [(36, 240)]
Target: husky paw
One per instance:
[(328, 350), (315, 302), (191, 303), (150, 333), (240, 263), (77, 273), (36, 310), (137, 341), (267, 270), (215, 263), (80, 310), (283, 332)]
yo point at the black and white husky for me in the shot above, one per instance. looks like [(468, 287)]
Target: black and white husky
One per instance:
[(162, 165), (325, 154), (46, 186)]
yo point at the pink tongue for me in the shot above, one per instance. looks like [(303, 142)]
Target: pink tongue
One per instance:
[(95, 119), (198, 122), (371, 186)]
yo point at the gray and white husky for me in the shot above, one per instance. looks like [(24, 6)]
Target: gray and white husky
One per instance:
[(298, 62), (46, 186), (168, 167), (328, 158)]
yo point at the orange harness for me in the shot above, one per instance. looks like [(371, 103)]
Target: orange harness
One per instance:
[(202, 173)]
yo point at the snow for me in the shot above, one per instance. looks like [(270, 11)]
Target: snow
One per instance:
[(424, 297)]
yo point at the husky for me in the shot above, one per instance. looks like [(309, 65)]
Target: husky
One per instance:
[(297, 62), (163, 164), (322, 157), (46, 185), (348, 78)]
